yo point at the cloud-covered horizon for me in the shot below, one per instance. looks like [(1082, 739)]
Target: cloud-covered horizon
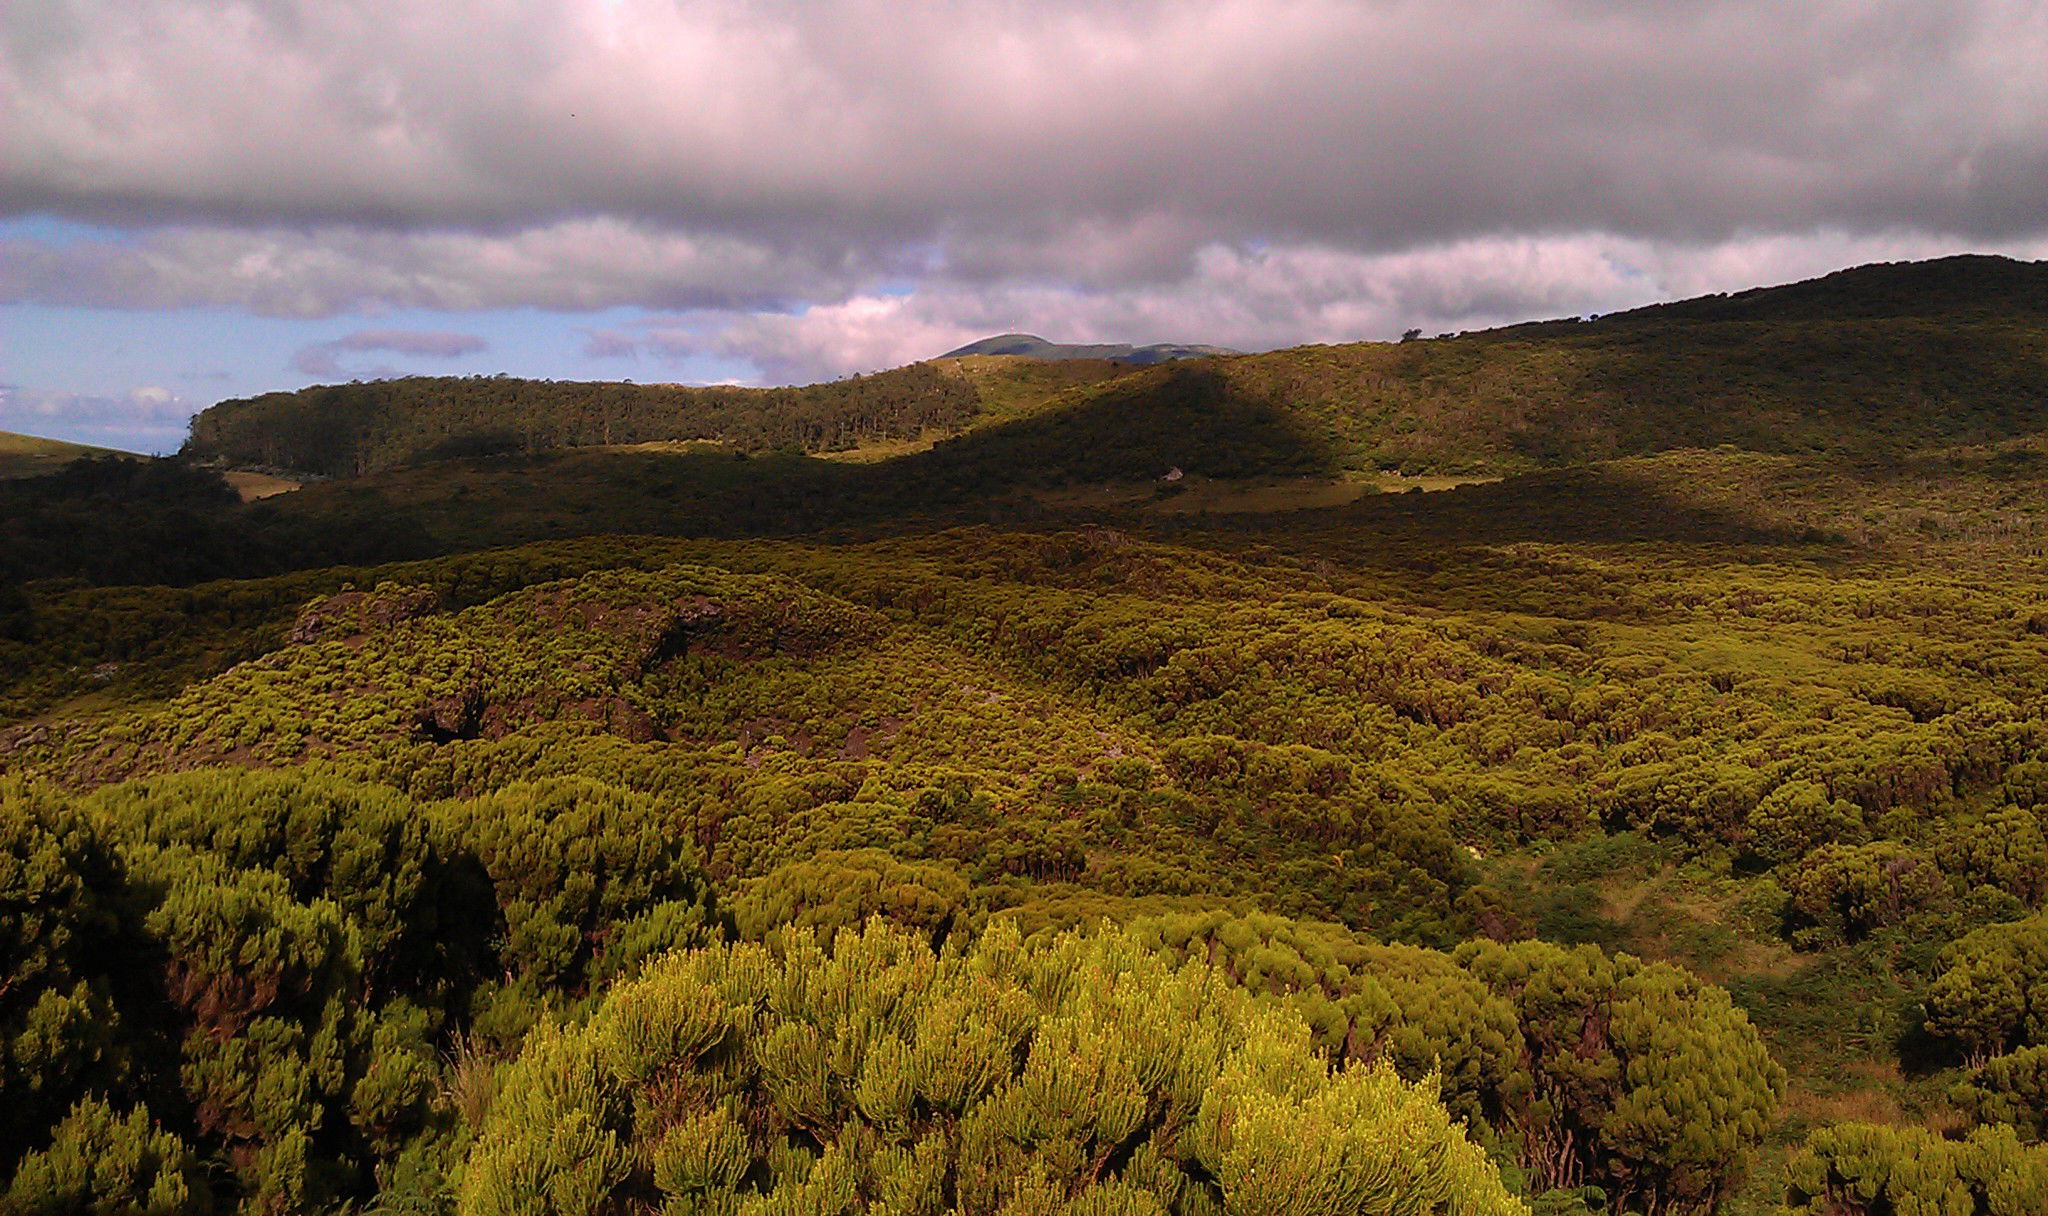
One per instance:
[(820, 186)]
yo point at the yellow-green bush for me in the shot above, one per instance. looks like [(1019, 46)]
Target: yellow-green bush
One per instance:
[(872, 1074)]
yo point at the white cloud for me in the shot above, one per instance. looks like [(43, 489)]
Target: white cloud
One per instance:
[(1274, 297), (323, 359), (572, 264), (148, 418)]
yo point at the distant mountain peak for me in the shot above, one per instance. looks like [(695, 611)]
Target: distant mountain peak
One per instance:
[(1031, 346)]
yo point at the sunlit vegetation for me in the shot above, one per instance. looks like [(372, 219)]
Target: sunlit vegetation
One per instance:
[(348, 429), (33, 456), (634, 830)]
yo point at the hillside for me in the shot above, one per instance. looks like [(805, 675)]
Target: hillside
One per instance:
[(1879, 359), (32, 456), (353, 429), (991, 825)]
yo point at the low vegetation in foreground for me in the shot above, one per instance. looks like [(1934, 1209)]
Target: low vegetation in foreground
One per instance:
[(608, 830)]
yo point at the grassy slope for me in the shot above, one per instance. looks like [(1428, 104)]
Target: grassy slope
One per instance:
[(1885, 358), (33, 456)]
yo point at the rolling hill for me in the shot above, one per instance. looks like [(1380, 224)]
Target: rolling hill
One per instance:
[(353, 429), (32, 456), (1661, 808)]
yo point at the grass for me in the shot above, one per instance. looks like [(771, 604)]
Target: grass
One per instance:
[(33, 456), (252, 486), (880, 450), (1830, 1018)]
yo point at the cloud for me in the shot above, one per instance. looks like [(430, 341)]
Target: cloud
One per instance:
[(323, 359), (148, 418), (1273, 297), (822, 185), (860, 334), (321, 272), (870, 123)]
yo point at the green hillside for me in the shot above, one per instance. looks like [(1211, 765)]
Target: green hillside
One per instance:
[(32, 456), (1884, 358), (352, 429), (974, 827)]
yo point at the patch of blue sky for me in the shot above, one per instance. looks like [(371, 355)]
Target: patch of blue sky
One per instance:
[(61, 233), (203, 355)]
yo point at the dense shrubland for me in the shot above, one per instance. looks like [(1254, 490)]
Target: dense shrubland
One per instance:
[(1262, 763), (1663, 836), (873, 1074), (258, 977), (282, 990)]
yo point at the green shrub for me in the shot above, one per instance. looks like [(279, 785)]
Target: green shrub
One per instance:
[(1991, 995), (2012, 1088), (1636, 1077), (103, 1164), (1857, 1169), (61, 942), (876, 1075), (1841, 893)]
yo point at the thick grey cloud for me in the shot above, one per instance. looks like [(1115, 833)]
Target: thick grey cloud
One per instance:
[(1380, 124), (323, 359), (572, 264)]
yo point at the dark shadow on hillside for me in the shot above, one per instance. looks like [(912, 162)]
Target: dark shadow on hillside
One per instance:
[(1449, 539), (1191, 418), (1862, 388), (1180, 417), (1196, 418), (1600, 504)]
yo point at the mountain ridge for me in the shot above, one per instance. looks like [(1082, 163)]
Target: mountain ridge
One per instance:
[(1031, 346)]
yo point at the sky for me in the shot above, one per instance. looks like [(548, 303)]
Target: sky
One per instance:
[(202, 199)]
